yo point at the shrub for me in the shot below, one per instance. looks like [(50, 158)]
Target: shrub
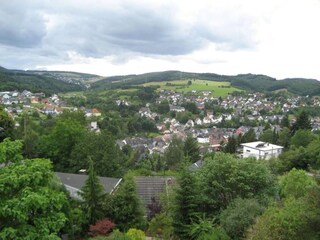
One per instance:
[(136, 234), (102, 228)]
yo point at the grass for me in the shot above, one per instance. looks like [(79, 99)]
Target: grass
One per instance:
[(218, 89)]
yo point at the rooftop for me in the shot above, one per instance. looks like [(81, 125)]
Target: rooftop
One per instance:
[(261, 145)]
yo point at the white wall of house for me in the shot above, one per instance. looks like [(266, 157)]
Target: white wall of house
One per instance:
[(265, 152)]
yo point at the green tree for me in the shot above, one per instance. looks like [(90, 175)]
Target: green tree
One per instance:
[(302, 122), (93, 195), (239, 215), (231, 146), (59, 143), (161, 226), (30, 208), (186, 204), (267, 136), (295, 219), (10, 151), (191, 149), (302, 138), (126, 207), (295, 183), (285, 122), (224, 178), (163, 107), (106, 155), (174, 155), (284, 138), (6, 125), (249, 136)]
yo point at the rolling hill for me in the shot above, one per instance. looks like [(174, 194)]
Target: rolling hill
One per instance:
[(60, 81), (44, 81), (250, 82)]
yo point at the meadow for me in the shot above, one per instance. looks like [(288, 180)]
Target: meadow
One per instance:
[(218, 89)]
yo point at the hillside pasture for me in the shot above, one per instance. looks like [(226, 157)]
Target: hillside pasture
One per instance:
[(218, 89)]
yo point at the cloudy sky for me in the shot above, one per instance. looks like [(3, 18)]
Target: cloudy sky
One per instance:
[(279, 38)]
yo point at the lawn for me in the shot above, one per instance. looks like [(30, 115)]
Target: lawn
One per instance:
[(217, 88)]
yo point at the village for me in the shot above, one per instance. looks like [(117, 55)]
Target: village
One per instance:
[(206, 127)]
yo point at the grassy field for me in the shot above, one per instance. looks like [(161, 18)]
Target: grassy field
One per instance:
[(217, 88)]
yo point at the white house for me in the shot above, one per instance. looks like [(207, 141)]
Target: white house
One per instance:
[(261, 150)]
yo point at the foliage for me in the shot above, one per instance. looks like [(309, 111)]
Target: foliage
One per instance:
[(78, 221), (6, 125), (224, 178), (186, 204), (302, 138), (161, 226), (101, 228), (116, 235), (174, 155), (302, 122), (59, 143), (231, 146), (93, 196), (135, 234), (239, 215), (20, 80), (106, 155), (191, 149), (295, 183), (202, 228), (126, 209), (296, 219), (249, 136), (29, 207), (10, 151)]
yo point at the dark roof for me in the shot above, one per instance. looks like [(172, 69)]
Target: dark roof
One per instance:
[(78, 180), (151, 187), (195, 166)]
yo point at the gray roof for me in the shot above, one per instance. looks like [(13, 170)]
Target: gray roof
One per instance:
[(195, 166), (152, 186), (78, 180)]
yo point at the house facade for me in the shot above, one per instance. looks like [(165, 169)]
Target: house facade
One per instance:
[(261, 150)]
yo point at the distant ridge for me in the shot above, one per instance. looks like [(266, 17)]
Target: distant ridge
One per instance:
[(64, 81), (250, 82)]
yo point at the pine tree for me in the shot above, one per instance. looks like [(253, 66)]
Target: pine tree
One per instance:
[(285, 121), (93, 195), (186, 205), (126, 208), (303, 122), (249, 136), (231, 146), (191, 149)]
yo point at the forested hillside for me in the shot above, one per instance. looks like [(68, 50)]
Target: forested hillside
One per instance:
[(20, 80)]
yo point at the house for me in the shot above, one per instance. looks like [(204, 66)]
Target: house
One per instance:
[(150, 188), (177, 108), (74, 182), (261, 150)]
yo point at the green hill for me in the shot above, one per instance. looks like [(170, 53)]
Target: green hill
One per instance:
[(21, 80), (250, 82)]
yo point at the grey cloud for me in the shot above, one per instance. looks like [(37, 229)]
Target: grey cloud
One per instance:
[(99, 32)]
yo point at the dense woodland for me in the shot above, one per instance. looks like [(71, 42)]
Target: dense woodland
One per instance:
[(227, 198)]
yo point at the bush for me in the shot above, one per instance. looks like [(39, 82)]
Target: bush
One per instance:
[(102, 228), (136, 234)]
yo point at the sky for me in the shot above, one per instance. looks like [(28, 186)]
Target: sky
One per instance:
[(279, 38)]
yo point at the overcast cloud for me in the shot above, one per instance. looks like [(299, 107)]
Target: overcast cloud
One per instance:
[(277, 37)]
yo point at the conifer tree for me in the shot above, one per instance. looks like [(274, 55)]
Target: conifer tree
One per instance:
[(303, 122), (191, 149), (93, 195), (186, 205), (126, 209)]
